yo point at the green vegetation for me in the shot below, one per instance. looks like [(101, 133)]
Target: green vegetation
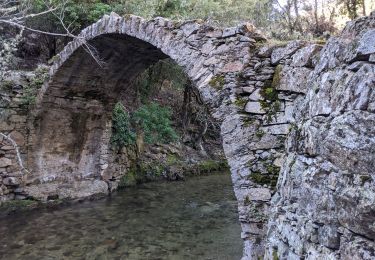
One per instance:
[(155, 122), (262, 179), (155, 170), (217, 82), (256, 211), (7, 207), (269, 93), (240, 102), (164, 72), (271, 103), (6, 85), (122, 133), (274, 255), (269, 177), (247, 201), (130, 178), (365, 178), (172, 159), (247, 121), (211, 166), (30, 91), (259, 133)]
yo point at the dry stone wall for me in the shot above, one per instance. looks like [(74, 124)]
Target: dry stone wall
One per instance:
[(268, 90), (13, 134), (324, 206)]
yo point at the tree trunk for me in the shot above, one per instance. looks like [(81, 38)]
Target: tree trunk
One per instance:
[(364, 7), (298, 19), (316, 16)]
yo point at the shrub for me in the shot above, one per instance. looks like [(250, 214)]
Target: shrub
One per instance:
[(31, 90), (152, 119), (155, 122), (122, 134)]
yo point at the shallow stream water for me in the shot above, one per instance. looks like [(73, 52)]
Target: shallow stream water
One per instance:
[(194, 219)]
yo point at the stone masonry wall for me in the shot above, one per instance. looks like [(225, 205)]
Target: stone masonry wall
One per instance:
[(268, 89), (13, 134), (296, 123), (324, 207)]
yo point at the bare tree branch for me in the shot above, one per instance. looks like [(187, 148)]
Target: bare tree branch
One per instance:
[(14, 144), (16, 17)]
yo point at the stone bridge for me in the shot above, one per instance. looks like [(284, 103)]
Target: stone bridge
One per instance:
[(296, 123)]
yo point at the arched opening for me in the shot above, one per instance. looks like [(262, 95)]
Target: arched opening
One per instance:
[(72, 130), (73, 127), (70, 135), (77, 107)]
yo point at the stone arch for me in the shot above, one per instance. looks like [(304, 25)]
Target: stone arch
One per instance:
[(70, 133)]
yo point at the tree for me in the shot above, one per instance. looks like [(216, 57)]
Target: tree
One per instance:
[(352, 7), (22, 14)]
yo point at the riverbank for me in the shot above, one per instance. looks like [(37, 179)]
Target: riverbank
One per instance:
[(16, 207)]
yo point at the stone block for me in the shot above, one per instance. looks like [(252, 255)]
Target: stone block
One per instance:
[(304, 57), (284, 52), (256, 96), (259, 194), (329, 237), (292, 79), (282, 129), (254, 108), (11, 181), (5, 162)]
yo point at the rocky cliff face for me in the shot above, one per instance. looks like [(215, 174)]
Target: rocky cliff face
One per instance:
[(296, 123)]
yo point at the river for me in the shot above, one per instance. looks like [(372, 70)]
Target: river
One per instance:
[(193, 219)]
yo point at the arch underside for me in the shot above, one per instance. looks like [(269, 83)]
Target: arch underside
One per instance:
[(76, 109)]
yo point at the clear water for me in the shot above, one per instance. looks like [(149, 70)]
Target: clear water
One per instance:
[(195, 219)]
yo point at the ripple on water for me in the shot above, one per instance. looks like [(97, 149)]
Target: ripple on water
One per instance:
[(195, 219)]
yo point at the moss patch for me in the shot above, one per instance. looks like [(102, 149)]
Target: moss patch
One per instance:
[(6, 85), (247, 122), (14, 206), (217, 82), (240, 102), (259, 133), (209, 166), (31, 90), (276, 76), (247, 201), (274, 255), (263, 179), (269, 178), (365, 178)]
